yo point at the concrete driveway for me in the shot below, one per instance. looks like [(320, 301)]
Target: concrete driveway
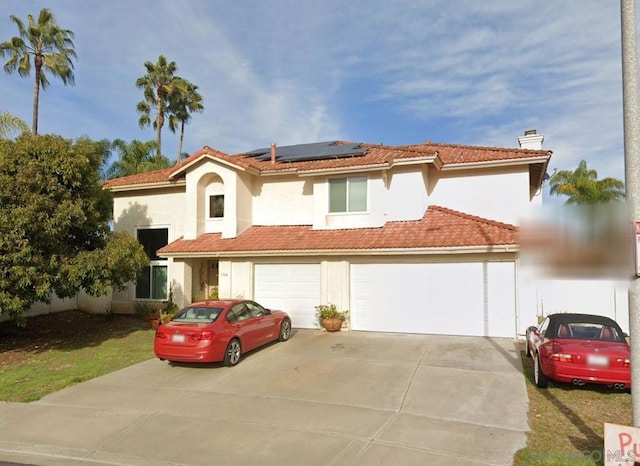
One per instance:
[(348, 398)]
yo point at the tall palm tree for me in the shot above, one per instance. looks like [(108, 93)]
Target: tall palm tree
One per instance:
[(51, 48), (184, 101), (583, 187), (158, 85), (135, 157)]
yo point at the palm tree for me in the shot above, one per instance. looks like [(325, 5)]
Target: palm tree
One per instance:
[(50, 46), (135, 157), (583, 187), (158, 85), (184, 101), (12, 126)]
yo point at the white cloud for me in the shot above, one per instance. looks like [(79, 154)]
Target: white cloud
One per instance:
[(290, 72)]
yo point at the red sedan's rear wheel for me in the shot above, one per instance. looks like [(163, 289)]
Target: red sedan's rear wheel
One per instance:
[(538, 376), (233, 353)]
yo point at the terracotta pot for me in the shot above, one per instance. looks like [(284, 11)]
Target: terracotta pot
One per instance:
[(333, 324), (154, 323)]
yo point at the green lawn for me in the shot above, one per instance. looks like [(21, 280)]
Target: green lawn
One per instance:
[(57, 350)]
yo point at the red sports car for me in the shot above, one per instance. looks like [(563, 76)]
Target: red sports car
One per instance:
[(579, 349), (211, 331)]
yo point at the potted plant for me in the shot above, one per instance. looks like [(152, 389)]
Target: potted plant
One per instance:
[(330, 317), (168, 310)]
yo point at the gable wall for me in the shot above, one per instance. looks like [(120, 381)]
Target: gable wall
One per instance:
[(150, 208), (195, 204), (500, 194)]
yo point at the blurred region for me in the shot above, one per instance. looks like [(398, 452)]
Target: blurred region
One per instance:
[(579, 241)]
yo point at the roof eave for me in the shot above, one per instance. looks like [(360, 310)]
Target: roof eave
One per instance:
[(449, 250), (145, 186), (497, 163), (343, 170), (434, 159)]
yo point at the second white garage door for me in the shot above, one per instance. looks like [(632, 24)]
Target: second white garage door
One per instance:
[(294, 288), (444, 298)]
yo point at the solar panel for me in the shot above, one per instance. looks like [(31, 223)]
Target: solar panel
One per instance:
[(311, 151)]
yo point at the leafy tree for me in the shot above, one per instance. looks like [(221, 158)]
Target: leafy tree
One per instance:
[(135, 157), (54, 224), (11, 126), (157, 85), (583, 187), (51, 49), (184, 101)]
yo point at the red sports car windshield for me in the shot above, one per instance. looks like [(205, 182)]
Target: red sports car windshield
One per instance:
[(200, 315), (588, 331)]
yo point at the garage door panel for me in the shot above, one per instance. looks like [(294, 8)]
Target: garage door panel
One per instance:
[(454, 298), (294, 288), (443, 298), (501, 299)]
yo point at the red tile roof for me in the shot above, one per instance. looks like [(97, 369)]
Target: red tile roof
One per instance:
[(439, 228), (452, 154), (446, 154)]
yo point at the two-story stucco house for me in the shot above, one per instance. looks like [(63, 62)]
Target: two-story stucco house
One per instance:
[(420, 238)]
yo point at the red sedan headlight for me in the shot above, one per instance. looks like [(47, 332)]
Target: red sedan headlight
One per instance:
[(561, 357)]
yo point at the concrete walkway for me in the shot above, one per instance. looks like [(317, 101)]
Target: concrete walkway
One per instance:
[(349, 398)]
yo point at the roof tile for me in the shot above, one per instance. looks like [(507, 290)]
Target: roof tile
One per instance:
[(440, 227), (449, 154)]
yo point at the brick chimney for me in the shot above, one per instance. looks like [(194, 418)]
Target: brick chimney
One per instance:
[(531, 140)]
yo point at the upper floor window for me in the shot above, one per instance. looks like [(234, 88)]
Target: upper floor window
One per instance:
[(216, 206), (348, 194), (152, 281)]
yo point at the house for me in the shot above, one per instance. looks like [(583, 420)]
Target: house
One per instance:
[(420, 238)]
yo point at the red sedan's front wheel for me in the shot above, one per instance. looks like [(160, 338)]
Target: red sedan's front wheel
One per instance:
[(285, 330)]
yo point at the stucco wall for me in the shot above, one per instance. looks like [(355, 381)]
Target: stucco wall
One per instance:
[(499, 194), (283, 201), (195, 203), (407, 197), (150, 208)]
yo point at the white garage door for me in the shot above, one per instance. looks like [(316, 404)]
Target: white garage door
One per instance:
[(294, 288), (447, 298)]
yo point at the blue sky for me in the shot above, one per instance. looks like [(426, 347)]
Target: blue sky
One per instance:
[(392, 72)]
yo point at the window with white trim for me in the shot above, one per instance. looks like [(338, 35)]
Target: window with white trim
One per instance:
[(153, 281), (348, 194)]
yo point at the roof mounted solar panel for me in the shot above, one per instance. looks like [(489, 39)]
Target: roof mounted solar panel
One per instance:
[(312, 151)]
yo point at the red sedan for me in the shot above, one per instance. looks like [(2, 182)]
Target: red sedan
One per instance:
[(579, 349), (211, 331)]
